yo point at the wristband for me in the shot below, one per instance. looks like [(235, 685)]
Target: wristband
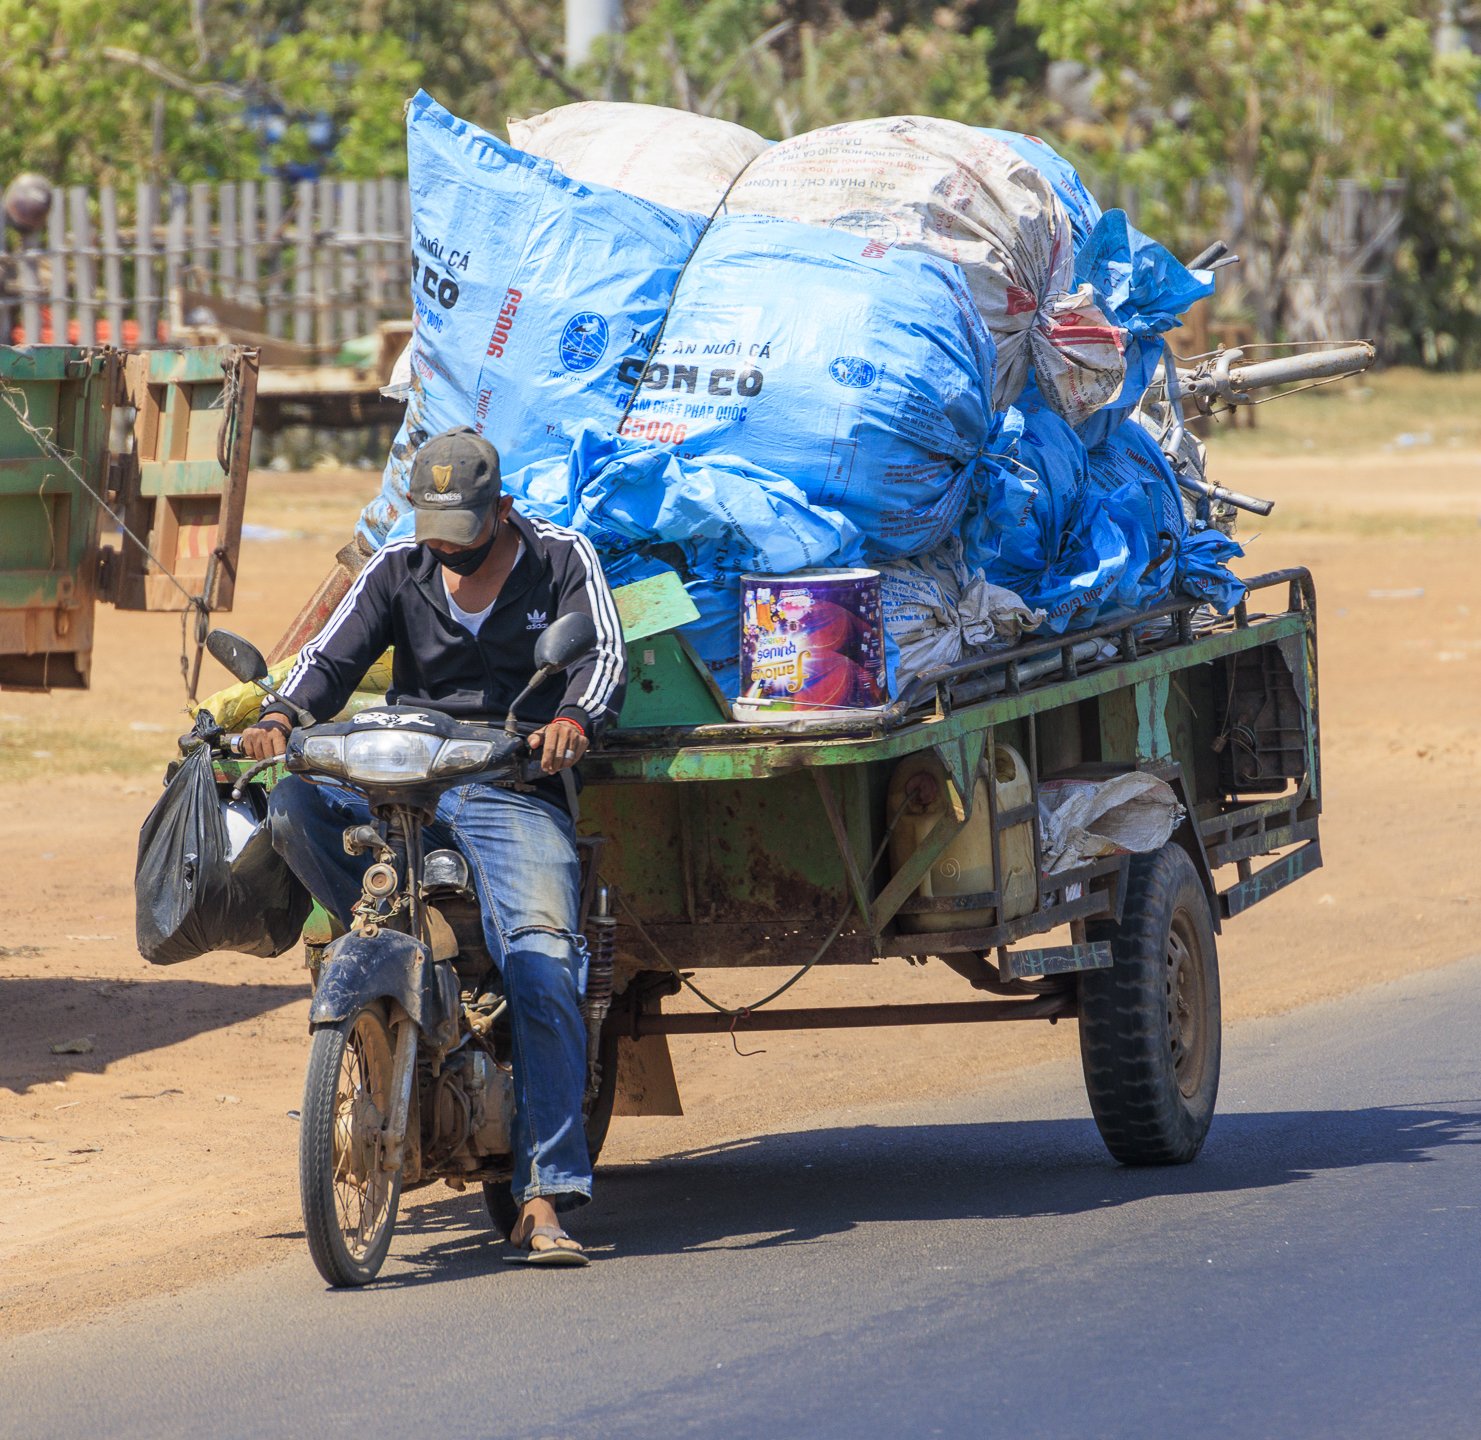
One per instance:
[(287, 723)]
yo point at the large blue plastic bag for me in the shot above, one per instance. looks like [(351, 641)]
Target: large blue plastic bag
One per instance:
[(531, 292), (860, 373), (725, 515), (1145, 290), (1172, 555), (1140, 284), (1041, 529)]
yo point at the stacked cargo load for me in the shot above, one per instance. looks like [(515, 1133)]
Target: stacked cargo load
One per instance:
[(902, 344)]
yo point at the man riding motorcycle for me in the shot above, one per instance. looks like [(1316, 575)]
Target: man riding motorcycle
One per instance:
[(463, 604)]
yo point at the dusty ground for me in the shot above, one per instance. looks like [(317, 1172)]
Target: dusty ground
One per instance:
[(166, 1153)]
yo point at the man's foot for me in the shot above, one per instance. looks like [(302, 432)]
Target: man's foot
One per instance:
[(537, 1232)]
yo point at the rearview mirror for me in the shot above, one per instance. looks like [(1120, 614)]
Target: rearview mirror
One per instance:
[(241, 657), (565, 642)]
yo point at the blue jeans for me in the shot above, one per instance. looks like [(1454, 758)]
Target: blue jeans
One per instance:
[(521, 854)]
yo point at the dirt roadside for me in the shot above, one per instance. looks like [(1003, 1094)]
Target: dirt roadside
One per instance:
[(166, 1154)]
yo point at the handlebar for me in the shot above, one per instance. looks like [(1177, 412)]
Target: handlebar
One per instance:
[(1229, 377)]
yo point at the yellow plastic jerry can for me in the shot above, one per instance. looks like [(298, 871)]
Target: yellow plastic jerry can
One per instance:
[(920, 784)]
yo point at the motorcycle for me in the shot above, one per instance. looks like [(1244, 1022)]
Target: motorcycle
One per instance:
[(409, 1076)]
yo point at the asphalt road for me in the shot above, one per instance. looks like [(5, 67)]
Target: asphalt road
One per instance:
[(975, 1268)]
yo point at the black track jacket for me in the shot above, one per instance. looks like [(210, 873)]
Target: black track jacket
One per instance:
[(398, 600)]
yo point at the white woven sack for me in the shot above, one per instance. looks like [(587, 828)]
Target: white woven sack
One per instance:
[(936, 610), (1080, 820), (935, 185), (670, 157)]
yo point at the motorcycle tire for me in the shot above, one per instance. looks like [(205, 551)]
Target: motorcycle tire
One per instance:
[(349, 1201)]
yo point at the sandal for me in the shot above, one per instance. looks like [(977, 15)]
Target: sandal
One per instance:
[(554, 1255)]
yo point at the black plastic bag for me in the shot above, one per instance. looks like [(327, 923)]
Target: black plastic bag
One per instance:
[(191, 895)]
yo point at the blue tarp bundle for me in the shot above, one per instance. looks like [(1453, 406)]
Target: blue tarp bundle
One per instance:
[(1087, 534), (858, 371), (1038, 527), (1144, 289)]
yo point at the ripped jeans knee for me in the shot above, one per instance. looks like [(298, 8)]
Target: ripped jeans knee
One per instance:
[(546, 959)]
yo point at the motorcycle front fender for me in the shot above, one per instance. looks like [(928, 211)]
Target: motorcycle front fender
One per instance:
[(390, 965)]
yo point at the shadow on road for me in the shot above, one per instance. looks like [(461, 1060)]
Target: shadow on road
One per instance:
[(804, 1187), (118, 1017)]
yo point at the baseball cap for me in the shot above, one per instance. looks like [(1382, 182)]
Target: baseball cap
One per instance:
[(455, 482)]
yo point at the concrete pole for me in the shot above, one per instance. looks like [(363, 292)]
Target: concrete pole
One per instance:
[(586, 22)]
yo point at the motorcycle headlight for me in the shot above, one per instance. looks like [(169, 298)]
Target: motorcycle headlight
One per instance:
[(325, 753), (387, 756), (459, 757)]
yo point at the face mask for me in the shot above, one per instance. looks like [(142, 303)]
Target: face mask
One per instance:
[(465, 562)]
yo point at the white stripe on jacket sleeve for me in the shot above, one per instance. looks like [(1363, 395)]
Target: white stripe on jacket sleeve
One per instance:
[(342, 612), (603, 613)]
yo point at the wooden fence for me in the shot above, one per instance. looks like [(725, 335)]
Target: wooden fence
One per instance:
[(309, 265)]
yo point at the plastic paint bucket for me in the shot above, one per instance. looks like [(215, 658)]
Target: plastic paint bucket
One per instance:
[(812, 645)]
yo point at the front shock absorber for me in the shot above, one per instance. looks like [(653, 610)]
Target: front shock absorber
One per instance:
[(601, 944)]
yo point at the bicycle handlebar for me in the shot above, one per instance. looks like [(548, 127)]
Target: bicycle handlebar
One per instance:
[(1229, 377)]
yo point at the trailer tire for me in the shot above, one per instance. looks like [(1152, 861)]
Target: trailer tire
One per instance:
[(1150, 1024)]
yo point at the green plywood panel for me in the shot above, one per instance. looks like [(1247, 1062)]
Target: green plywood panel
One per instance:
[(667, 684), (651, 606), (180, 477)]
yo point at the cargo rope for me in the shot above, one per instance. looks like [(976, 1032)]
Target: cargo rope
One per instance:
[(196, 603), (740, 1012)]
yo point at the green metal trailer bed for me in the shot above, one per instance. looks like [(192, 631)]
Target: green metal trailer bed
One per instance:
[(733, 846)]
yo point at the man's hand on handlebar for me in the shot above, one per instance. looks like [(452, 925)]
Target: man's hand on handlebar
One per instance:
[(267, 738), (561, 744)]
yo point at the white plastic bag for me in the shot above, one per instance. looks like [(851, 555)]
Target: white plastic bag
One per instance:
[(671, 157), (934, 185), (1081, 819), (936, 610)]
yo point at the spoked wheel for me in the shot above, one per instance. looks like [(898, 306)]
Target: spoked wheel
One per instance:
[(1149, 1025), (349, 1198), (498, 1195)]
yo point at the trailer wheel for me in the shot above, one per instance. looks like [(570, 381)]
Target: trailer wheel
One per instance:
[(1149, 1025)]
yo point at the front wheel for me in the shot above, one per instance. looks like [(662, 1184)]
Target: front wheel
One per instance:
[(349, 1199), (1150, 1025)]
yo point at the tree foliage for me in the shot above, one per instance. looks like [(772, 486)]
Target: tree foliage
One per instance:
[(112, 89), (1243, 114)]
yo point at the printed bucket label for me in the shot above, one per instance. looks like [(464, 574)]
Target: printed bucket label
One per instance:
[(811, 643)]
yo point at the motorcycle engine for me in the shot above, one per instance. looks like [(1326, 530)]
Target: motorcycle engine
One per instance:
[(468, 1114), (491, 1097)]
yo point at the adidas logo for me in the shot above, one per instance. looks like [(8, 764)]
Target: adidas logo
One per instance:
[(536, 620)]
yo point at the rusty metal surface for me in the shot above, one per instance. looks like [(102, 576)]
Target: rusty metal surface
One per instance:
[(1054, 960), (740, 945), (851, 1017), (740, 753), (48, 521), (1264, 882)]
